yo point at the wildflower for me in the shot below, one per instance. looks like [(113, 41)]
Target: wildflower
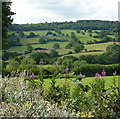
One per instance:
[(41, 62), (80, 74), (66, 69), (103, 73), (32, 76), (97, 75), (115, 73)]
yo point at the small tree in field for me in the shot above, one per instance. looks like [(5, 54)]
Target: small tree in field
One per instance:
[(77, 48), (42, 41), (29, 47), (54, 53), (56, 46)]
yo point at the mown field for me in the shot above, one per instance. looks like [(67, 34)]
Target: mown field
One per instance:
[(85, 81)]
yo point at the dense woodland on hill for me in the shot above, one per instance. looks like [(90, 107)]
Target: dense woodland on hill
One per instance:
[(80, 25)]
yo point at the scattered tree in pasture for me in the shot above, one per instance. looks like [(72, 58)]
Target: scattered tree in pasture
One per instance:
[(56, 46)]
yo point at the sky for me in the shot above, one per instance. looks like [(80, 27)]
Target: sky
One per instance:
[(40, 11)]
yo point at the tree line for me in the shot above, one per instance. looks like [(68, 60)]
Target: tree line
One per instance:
[(80, 25)]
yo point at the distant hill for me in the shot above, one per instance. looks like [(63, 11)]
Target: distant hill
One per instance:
[(80, 25)]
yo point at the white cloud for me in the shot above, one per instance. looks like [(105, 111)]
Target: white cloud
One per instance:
[(35, 11)]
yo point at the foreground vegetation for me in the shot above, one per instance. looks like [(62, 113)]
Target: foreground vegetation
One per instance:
[(24, 97)]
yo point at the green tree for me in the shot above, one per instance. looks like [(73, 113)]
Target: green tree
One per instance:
[(58, 31), (54, 53), (40, 55), (6, 21), (29, 47), (21, 34), (78, 47), (31, 35), (13, 65), (42, 40), (56, 46), (77, 31), (49, 33), (89, 31), (69, 45), (13, 40), (73, 35)]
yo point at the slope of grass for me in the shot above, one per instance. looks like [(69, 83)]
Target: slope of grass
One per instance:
[(39, 32), (99, 46), (25, 41), (85, 53), (84, 38), (85, 81)]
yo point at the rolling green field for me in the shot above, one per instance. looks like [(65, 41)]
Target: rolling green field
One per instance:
[(62, 51), (85, 81), (40, 32), (86, 53), (99, 46), (84, 38)]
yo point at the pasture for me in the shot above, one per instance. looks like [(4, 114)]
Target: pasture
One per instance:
[(85, 81)]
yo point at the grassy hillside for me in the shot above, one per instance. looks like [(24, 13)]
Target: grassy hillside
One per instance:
[(83, 38), (62, 50), (85, 81)]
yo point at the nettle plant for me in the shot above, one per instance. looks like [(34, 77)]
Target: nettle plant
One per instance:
[(106, 102)]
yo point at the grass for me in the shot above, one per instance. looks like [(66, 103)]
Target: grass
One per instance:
[(86, 53), (39, 32), (49, 45), (25, 41), (85, 81), (84, 38), (62, 51), (99, 46), (17, 48)]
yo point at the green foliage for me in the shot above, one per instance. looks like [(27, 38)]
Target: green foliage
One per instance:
[(29, 47), (20, 34), (42, 40), (78, 47), (89, 31), (106, 100), (40, 55), (13, 40), (79, 101), (57, 93), (58, 31), (73, 35), (7, 55), (69, 45), (77, 31), (56, 46), (13, 65), (49, 33), (6, 21), (53, 53), (31, 35), (81, 25)]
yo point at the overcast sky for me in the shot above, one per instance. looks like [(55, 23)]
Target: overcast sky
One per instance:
[(37, 11)]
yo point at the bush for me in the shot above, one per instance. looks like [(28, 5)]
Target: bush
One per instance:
[(90, 69)]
